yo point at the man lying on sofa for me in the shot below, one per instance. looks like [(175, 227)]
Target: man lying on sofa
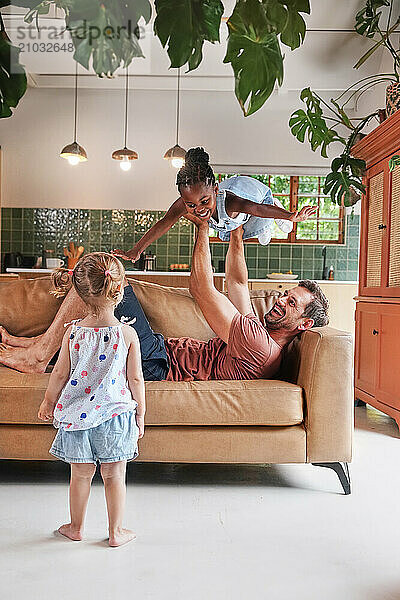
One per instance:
[(244, 347)]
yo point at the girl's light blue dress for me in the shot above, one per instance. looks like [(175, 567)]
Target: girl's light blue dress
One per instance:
[(253, 227)]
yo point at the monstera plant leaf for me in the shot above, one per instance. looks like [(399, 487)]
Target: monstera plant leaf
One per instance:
[(344, 183), (294, 31), (311, 123), (184, 26), (12, 77), (284, 18), (254, 54), (107, 33), (367, 19)]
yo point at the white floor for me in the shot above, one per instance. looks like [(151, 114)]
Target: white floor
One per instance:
[(214, 532)]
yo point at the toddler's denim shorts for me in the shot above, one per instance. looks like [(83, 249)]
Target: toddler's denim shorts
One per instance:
[(111, 441)]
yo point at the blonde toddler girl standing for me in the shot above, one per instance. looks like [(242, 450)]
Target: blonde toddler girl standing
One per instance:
[(96, 394)]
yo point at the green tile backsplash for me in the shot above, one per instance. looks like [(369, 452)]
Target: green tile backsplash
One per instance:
[(28, 230)]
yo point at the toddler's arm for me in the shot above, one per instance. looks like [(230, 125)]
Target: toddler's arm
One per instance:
[(58, 379), (267, 211), (134, 375), (173, 214)]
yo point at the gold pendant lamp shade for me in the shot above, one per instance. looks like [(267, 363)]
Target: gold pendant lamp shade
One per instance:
[(125, 155), (74, 153), (176, 154)]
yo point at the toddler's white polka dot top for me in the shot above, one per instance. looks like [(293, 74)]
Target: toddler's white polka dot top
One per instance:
[(97, 388)]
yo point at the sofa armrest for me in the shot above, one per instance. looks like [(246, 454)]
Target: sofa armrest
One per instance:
[(326, 376)]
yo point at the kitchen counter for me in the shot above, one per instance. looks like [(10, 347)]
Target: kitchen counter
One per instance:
[(183, 273), (134, 272)]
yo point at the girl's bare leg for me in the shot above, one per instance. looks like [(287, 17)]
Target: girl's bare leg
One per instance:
[(36, 357), (79, 491), (113, 475)]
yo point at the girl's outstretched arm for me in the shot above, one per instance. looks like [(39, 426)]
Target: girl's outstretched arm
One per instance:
[(173, 214), (267, 211), (58, 379)]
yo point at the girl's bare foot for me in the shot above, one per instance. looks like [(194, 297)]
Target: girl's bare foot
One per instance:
[(121, 537), (26, 360), (68, 531)]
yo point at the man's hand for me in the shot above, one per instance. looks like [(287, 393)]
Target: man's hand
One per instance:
[(46, 410), (302, 215), (132, 255), (197, 221), (140, 424)]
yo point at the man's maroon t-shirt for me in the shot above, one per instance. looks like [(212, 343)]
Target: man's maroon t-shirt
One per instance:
[(250, 353)]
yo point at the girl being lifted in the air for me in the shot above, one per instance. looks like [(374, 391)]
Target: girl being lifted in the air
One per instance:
[(235, 201)]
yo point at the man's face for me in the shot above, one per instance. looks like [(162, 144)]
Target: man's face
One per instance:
[(200, 200), (287, 310)]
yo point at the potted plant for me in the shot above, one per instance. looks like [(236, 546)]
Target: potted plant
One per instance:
[(324, 122)]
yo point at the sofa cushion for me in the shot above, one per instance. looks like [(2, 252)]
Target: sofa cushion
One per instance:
[(261, 402), (26, 306)]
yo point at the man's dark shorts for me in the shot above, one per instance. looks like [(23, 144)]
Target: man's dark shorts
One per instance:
[(154, 356)]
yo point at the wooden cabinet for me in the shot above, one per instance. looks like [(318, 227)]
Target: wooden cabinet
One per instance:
[(377, 352), (366, 347)]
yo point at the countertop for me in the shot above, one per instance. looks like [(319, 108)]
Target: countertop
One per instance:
[(186, 273), (22, 270)]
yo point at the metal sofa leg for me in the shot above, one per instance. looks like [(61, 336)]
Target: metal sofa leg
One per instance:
[(342, 471)]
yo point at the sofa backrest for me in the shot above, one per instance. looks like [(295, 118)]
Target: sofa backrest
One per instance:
[(174, 313), (27, 308)]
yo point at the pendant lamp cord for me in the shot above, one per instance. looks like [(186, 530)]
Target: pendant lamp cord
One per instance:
[(76, 99), (178, 105), (126, 106)]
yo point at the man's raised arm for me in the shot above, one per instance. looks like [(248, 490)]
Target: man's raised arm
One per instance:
[(236, 275), (216, 308)]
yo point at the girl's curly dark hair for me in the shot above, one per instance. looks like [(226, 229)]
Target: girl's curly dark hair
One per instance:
[(196, 169)]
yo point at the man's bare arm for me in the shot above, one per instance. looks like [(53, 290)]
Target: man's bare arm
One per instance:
[(216, 308), (236, 275)]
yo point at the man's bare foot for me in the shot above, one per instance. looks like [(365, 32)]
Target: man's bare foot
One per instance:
[(26, 360), (73, 534), (13, 340), (121, 537)]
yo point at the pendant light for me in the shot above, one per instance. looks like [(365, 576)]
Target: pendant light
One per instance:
[(176, 154), (74, 153), (125, 156)]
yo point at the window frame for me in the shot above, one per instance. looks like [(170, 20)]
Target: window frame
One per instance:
[(293, 200)]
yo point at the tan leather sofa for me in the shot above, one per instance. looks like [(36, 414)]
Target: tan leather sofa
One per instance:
[(304, 416)]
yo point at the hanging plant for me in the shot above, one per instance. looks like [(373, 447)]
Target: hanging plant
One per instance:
[(256, 31), (324, 122)]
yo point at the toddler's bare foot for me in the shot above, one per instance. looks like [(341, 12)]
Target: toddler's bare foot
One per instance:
[(69, 532), (121, 537), (13, 340)]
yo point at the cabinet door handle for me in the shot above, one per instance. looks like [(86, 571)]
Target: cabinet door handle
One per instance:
[(382, 226), (375, 332)]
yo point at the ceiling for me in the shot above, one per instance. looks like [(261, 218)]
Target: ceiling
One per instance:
[(324, 61)]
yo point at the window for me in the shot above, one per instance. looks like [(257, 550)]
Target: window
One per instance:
[(295, 192)]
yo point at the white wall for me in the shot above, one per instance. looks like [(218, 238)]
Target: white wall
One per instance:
[(34, 175)]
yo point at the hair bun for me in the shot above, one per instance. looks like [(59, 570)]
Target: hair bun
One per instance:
[(197, 156)]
